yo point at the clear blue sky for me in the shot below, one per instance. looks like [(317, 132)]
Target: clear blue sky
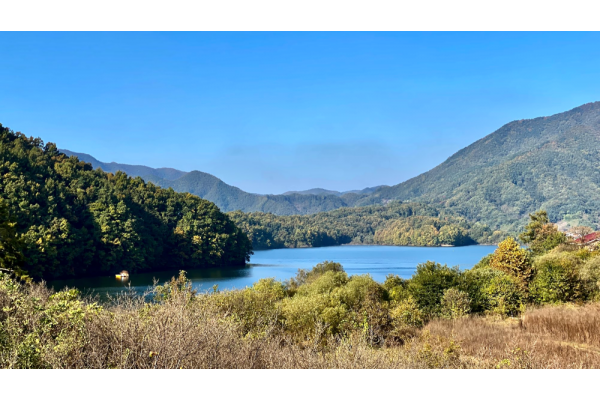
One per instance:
[(271, 112)]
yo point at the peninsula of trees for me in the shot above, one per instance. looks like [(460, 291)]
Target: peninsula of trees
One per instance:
[(67, 219), (399, 224)]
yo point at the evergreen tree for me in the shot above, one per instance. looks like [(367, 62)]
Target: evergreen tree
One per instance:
[(10, 247)]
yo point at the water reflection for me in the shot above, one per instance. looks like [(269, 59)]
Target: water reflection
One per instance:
[(282, 264)]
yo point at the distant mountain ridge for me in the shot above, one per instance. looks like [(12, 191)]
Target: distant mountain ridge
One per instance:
[(226, 197), (550, 163), (132, 170), (335, 192)]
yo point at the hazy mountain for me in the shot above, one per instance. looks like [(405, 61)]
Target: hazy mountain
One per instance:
[(335, 192), (226, 197), (132, 170), (548, 162)]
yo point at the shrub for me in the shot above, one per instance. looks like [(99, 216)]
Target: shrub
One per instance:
[(584, 253), (556, 279), (39, 329), (504, 295), (510, 258), (493, 291), (455, 304), (318, 302), (406, 316), (360, 289), (474, 283), (428, 284), (303, 276), (302, 315), (589, 273), (254, 308), (484, 262), (396, 288)]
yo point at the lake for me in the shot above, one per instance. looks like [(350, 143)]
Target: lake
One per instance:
[(281, 264)]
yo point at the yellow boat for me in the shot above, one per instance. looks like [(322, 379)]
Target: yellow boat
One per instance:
[(122, 275)]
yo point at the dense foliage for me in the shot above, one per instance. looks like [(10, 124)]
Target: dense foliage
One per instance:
[(323, 311), (70, 220), (10, 247), (547, 162), (395, 224), (540, 235)]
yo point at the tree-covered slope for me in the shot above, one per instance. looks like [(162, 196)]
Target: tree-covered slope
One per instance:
[(72, 220), (404, 224), (550, 163)]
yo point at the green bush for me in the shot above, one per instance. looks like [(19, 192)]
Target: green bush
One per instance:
[(455, 304), (484, 262), (254, 308), (556, 279), (406, 316), (474, 282), (306, 276), (504, 294), (428, 284), (589, 273), (510, 258), (395, 288)]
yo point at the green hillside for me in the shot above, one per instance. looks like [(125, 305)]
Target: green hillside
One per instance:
[(408, 224), (71, 220), (546, 163), (550, 163)]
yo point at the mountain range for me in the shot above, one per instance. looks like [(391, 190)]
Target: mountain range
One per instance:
[(231, 198), (550, 163)]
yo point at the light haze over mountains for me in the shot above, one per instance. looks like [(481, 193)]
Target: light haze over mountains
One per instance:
[(231, 198), (548, 162)]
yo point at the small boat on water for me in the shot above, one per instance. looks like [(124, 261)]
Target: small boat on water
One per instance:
[(123, 275)]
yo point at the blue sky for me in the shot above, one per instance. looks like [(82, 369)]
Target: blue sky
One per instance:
[(271, 112)]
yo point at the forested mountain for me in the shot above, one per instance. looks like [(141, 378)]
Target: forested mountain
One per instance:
[(401, 224), (226, 197), (550, 163), (68, 219), (546, 163), (146, 173)]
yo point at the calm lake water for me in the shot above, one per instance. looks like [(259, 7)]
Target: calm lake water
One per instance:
[(281, 264)]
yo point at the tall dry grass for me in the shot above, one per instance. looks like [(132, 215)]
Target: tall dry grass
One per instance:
[(42, 330), (549, 337)]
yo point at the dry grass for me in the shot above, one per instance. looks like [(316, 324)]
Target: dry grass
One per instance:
[(188, 331), (548, 337)]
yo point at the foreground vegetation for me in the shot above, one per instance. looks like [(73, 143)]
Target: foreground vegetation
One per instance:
[(517, 308), (399, 224), (65, 219)]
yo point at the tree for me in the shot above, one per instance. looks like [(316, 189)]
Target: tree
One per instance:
[(429, 283), (541, 235), (532, 230), (510, 258), (10, 247), (579, 232)]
